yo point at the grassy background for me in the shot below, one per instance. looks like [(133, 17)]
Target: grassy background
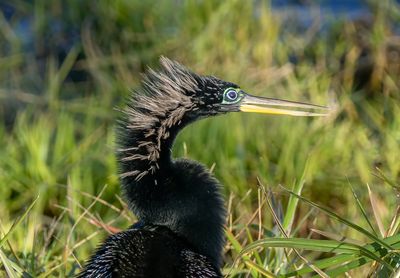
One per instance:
[(57, 136)]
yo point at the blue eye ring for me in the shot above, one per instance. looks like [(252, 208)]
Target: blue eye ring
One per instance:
[(232, 95)]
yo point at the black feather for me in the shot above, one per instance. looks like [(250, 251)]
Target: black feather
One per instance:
[(127, 254)]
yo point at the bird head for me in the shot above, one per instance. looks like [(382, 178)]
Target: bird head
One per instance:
[(203, 96), (215, 96)]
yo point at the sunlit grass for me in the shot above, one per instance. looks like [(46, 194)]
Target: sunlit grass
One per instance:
[(61, 144)]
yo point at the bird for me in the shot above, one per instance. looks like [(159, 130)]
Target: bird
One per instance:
[(180, 210)]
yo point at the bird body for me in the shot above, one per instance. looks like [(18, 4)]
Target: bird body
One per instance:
[(128, 253), (177, 201)]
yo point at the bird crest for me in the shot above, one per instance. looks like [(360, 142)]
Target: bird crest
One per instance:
[(159, 104)]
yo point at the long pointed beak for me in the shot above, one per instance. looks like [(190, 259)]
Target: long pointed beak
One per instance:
[(254, 104)]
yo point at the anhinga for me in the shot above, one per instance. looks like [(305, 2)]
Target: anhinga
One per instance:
[(177, 201)]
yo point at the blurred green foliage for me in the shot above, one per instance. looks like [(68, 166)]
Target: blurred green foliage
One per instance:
[(58, 135)]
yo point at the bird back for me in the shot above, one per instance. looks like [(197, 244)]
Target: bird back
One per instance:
[(148, 251)]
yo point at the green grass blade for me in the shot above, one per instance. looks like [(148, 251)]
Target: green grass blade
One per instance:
[(328, 246), (341, 219), (353, 259), (17, 222), (383, 177), (349, 266), (360, 206), (259, 269), (292, 206), (246, 259), (12, 269), (322, 264)]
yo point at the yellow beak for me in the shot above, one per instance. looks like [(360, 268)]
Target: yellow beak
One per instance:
[(254, 104)]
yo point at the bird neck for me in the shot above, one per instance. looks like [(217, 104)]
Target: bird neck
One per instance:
[(145, 149), (179, 194)]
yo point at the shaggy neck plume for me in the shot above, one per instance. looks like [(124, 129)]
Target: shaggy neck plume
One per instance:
[(153, 118), (178, 194)]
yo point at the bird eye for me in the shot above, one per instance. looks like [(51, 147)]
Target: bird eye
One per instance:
[(231, 95)]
